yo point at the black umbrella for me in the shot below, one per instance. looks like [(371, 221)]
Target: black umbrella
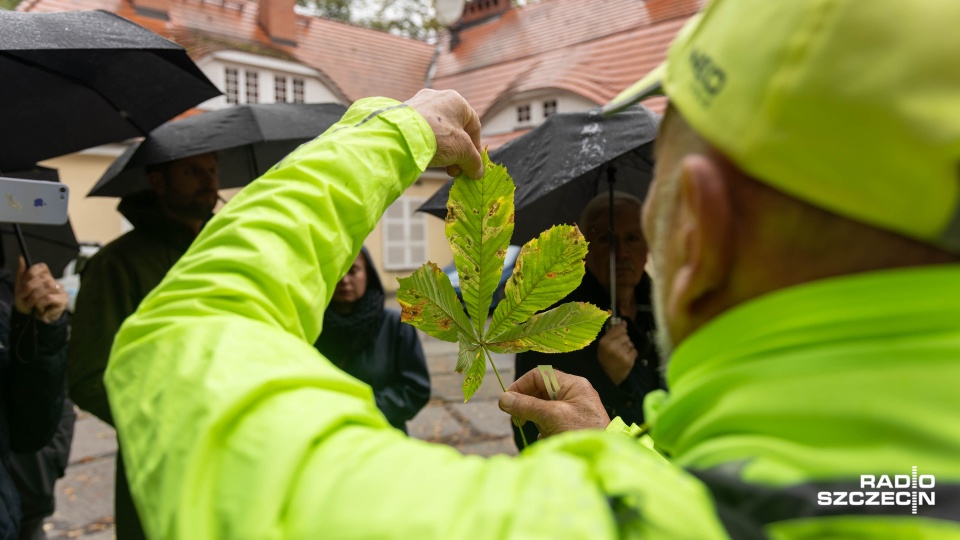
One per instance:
[(80, 79), (55, 245), (249, 140), (567, 161), (562, 164)]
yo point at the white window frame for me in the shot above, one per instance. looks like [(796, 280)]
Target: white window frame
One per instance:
[(550, 107), (231, 84), (279, 88), (409, 216), (524, 109)]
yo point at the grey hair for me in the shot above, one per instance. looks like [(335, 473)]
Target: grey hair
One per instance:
[(601, 204)]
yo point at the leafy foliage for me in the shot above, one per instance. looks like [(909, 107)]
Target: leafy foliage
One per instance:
[(480, 216), (411, 18)]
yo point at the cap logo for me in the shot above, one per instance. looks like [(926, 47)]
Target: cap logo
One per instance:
[(709, 78)]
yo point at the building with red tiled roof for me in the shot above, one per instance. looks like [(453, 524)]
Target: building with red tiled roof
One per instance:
[(515, 65)]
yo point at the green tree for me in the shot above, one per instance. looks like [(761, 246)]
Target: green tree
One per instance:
[(328, 9)]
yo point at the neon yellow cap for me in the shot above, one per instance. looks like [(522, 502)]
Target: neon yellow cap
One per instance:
[(850, 105)]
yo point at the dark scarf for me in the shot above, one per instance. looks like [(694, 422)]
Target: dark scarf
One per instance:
[(345, 336)]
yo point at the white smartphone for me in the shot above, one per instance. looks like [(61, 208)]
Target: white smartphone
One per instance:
[(33, 201)]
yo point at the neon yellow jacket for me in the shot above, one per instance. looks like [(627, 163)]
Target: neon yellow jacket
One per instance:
[(234, 426)]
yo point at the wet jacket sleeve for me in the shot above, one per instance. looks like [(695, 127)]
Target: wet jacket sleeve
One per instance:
[(410, 390), (36, 380), (105, 299), (210, 380)]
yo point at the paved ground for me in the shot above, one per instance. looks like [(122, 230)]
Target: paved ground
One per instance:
[(85, 495)]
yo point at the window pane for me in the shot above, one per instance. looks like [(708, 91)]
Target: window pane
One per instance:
[(279, 88), (418, 255), (231, 85), (523, 113), (395, 256), (418, 230), (298, 91), (394, 211), (252, 87), (549, 108), (394, 233)]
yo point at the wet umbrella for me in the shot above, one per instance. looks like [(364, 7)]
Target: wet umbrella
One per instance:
[(562, 164), (55, 245), (80, 79), (249, 140), (567, 161)]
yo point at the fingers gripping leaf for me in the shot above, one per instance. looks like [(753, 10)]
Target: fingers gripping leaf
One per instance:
[(428, 302), (479, 227), (568, 327), (548, 268)]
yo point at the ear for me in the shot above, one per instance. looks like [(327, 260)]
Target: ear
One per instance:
[(157, 182), (704, 239)]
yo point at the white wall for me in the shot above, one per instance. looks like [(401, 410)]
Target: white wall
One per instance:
[(213, 67), (504, 118)]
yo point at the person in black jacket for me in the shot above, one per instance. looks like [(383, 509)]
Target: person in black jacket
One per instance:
[(33, 362), (371, 343), (622, 363)]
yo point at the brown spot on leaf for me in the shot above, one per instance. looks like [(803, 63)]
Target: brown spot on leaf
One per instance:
[(551, 275), (501, 253), (445, 323), (411, 312), (493, 208)]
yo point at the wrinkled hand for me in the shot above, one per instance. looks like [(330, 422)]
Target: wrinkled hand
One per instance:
[(456, 127), (616, 353), (35, 291), (577, 406)]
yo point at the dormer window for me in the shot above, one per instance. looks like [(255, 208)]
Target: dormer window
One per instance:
[(231, 85), (523, 114), (298, 93), (253, 81), (279, 88), (247, 79), (549, 108)]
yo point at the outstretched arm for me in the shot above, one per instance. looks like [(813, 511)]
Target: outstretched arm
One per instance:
[(233, 424)]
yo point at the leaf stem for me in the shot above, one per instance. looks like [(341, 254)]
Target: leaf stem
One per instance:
[(516, 421)]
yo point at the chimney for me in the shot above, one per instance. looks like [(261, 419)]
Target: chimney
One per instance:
[(278, 20), (154, 9), (660, 10), (476, 11)]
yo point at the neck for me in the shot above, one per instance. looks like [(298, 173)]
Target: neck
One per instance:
[(342, 308), (194, 225), (627, 301)]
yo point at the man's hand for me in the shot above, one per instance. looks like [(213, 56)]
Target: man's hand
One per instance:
[(617, 354), (35, 291), (577, 406), (456, 127)]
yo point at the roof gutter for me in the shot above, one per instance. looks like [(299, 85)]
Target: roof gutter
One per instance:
[(432, 69)]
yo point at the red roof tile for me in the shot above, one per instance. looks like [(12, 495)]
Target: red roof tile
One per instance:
[(362, 62), (593, 48)]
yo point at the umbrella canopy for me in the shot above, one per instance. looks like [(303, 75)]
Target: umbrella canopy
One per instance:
[(80, 79), (562, 164), (249, 140), (55, 245)]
